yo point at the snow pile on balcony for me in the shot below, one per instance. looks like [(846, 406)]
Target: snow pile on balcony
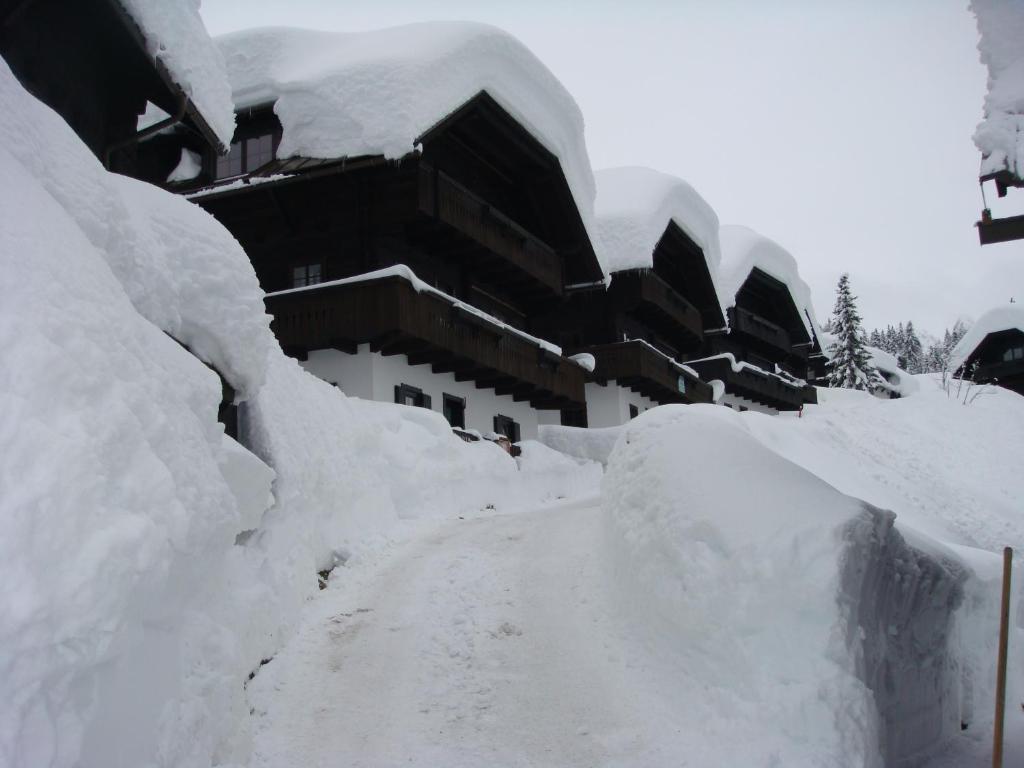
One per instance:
[(375, 93), (1005, 318), (633, 208), (999, 135), (743, 250), (175, 35), (800, 624)]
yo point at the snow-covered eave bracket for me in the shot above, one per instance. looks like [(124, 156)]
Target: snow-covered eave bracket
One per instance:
[(403, 272), (173, 37)]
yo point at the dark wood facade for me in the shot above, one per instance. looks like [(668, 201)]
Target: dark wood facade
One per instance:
[(481, 212), (87, 60), (644, 321), (998, 359), (767, 330)]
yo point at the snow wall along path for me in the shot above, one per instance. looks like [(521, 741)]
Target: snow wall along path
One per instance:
[(807, 628)]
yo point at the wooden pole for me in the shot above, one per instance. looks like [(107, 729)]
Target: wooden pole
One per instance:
[(1004, 630)]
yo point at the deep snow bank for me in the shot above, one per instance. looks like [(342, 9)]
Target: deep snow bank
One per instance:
[(144, 575), (119, 494), (809, 630)]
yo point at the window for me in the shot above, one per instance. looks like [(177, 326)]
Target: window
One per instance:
[(406, 395), (633, 411), (1013, 353), (308, 274), (246, 156), (503, 425), (455, 410)]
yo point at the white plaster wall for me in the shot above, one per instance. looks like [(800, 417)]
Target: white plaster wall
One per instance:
[(608, 404), (373, 376), (736, 403)]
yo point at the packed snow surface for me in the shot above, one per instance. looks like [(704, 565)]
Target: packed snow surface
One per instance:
[(633, 209), (1006, 318), (744, 250), (999, 135), (376, 93), (175, 35)]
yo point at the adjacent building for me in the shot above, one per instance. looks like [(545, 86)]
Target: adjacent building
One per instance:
[(658, 243), (992, 351), (763, 358)]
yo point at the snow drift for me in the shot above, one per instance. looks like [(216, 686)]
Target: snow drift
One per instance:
[(810, 631), (148, 570)]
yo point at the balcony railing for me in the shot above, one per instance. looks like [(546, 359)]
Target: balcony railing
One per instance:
[(636, 289), (765, 331), (759, 386), (639, 366), (390, 315), (447, 201)]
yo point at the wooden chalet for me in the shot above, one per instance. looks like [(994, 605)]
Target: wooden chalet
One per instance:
[(483, 234), (88, 61), (763, 358), (639, 328), (998, 359)]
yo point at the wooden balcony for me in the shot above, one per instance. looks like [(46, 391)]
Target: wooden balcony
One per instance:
[(1010, 374), (643, 369), (446, 201), (393, 318), (763, 331), (759, 386), (642, 292)]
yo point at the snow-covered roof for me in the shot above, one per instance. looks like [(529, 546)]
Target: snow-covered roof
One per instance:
[(744, 250), (1000, 136), (635, 205), (376, 93), (1006, 318), (176, 38)]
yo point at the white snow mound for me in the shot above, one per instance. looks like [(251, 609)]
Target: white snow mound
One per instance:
[(175, 35), (635, 205), (789, 607), (1005, 318), (182, 270), (375, 93), (1000, 136)]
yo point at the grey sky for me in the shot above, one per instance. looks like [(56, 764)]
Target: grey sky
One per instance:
[(840, 129)]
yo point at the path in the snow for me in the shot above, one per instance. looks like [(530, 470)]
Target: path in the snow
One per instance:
[(486, 643)]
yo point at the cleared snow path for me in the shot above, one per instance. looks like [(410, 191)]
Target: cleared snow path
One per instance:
[(484, 642)]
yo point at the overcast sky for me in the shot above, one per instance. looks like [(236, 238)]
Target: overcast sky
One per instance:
[(840, 129)]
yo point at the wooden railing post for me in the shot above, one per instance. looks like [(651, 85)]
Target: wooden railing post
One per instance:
[(1004, 636)]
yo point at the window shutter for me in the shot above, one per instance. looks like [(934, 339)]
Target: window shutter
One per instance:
[(398, 393), (426, 401)]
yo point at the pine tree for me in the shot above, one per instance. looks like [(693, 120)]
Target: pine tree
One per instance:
[(850, 366), (913, 353)]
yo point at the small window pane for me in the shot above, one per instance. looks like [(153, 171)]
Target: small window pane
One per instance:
[(231, 163), (258, 152)]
